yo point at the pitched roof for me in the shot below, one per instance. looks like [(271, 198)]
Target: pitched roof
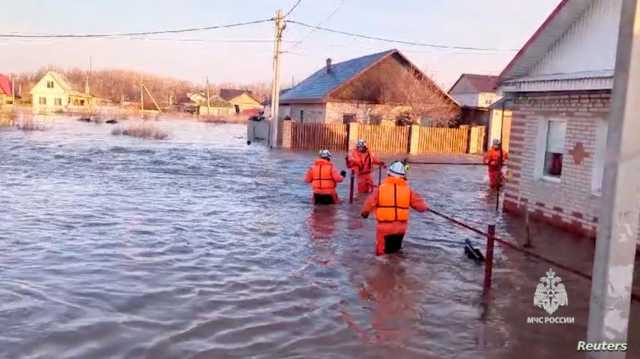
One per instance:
[(480, 83), (229, 94), (65, 84), (558, 22), (5, 85), (317, 86)]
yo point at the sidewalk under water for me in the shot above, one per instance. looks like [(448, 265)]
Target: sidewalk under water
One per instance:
[(201, 246)]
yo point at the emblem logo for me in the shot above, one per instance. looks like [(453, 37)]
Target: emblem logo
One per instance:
[(550, 293)]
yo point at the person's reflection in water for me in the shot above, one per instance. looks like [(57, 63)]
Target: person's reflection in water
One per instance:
[(389, 289), (322, 226)]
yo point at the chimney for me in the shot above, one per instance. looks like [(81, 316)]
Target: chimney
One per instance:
[(329, 65)]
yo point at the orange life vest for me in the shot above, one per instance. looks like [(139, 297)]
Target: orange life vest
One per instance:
[(364, 159), (321, 174), (394, 199), (495, 158)]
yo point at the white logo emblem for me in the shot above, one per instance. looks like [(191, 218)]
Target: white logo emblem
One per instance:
[(550, 293)]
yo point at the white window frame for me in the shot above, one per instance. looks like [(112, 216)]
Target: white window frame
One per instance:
[(599, 154), (541, 149)]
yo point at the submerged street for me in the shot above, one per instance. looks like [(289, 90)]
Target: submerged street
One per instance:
[(201, 246)]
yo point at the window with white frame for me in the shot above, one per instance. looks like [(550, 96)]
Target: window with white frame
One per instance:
[(551, 149), (599, 157)]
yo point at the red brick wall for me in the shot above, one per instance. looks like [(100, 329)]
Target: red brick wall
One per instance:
[(569, 204)]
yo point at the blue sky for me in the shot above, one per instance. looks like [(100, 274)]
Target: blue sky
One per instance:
[(218, 55)]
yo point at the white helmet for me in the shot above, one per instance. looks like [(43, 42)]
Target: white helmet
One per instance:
[(361, 144), (325, 154), (397, 169)]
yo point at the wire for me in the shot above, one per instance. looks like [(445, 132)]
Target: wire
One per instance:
[(404, 42), (128, 34), (293, 8), (298, 43)]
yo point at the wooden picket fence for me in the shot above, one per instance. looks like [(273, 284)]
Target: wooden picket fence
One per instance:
[(381, 139), (443, 140), (388, 139), (316, 136)]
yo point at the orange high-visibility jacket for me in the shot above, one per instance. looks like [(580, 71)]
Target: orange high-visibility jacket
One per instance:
[(392, 201), (494, 160), (323, 176), (362, 162)]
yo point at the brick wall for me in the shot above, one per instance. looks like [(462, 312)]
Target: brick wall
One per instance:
[(311, 113), (336, 110), (569, 204)]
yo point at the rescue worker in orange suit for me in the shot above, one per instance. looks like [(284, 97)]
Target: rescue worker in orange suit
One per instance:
[(392, 201), (362, 162), (494, 159), (324, 178)]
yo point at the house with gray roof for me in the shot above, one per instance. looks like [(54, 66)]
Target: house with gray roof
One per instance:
[(376, 88)]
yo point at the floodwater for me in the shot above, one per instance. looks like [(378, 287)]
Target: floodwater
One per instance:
[(200, 246)]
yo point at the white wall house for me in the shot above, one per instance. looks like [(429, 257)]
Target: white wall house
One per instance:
[(559, 90)]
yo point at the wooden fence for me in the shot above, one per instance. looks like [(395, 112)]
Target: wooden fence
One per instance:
[(443, 140), (317, 136), (389, 139), (382, 139)]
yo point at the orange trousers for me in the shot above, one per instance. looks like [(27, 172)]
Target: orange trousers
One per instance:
[(384, 229), (365, 183), (495, 178)]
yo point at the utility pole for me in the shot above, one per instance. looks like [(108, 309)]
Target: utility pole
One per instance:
[(141, 96), (86, 84), (208, 98), (275, 86), (618, 222)]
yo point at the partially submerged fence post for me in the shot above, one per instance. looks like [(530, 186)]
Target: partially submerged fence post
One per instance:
[(286, 134), (353, 135), (351, 186), (527, 227), (488, 267), (414, 139)]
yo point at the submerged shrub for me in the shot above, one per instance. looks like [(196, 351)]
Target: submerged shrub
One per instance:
[(141, 131)]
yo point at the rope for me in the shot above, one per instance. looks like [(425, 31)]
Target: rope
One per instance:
[(447, 163), (516, 248)]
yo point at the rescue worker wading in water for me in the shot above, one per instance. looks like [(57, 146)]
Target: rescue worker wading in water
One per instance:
[(324, 177), (362, 162), (494, 158), (392, 201)]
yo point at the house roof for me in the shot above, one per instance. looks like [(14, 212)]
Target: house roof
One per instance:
[(5, 85), (480, 83), (228, 94), (556, 24), (65, 84), (317, 86)]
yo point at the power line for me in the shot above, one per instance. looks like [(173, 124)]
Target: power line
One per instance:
[(298, 43), (293, 8), (404, 42), (129, 34)]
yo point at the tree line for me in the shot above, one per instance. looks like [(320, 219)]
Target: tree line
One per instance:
[(122, 86)]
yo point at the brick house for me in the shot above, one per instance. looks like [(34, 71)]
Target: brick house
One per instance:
[(376, 88), (559, 87)]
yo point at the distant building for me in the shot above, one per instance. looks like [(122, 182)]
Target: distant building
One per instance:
[(216, 106), (475, 94), (6, 93), (376, 88), (55, 94), (240, 100), (559, 89)]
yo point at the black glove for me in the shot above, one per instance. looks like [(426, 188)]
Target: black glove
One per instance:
[(364, 215), (343, 173)]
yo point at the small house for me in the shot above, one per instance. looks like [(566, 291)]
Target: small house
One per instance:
[(55, 94), (475, 94), (384, 87), (242, 101), (559, 88)]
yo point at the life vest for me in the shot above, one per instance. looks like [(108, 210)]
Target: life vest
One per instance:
[(394, 199), (322, 175), (494, 159), (364, 160)]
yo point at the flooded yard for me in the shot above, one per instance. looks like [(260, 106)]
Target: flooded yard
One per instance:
[(199, 246)]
